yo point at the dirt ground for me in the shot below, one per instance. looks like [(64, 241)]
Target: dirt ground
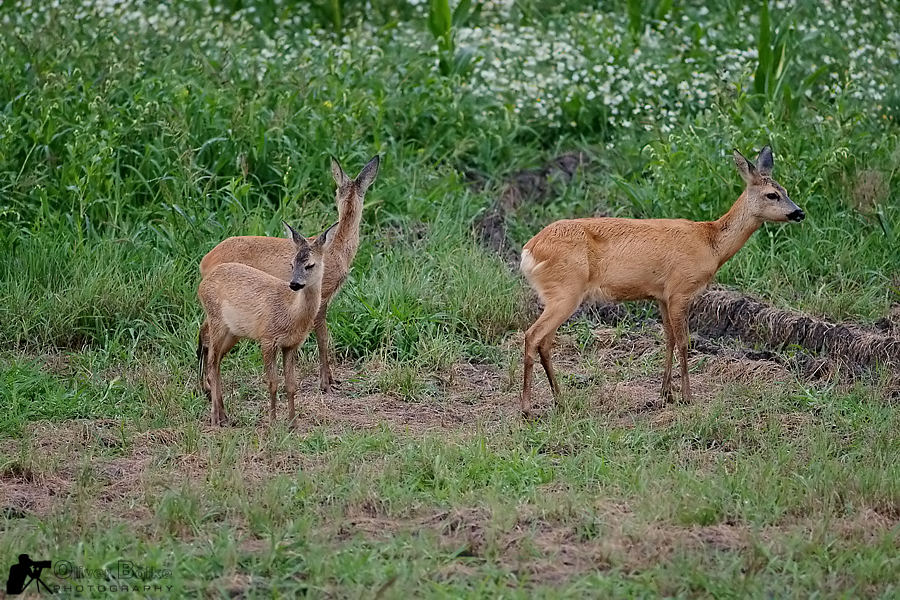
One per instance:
[(470, 399), (616, 380)]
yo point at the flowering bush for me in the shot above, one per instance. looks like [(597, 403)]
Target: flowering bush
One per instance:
[(582, 69), (119, 115)]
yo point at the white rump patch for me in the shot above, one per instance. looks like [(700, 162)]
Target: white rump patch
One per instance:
[(529, 266)]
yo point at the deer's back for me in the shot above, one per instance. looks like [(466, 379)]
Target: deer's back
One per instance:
[(270, 255), (273, 255), (620, 259)]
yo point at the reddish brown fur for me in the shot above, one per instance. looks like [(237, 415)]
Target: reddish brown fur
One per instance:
[(668, 260), (273, 255)]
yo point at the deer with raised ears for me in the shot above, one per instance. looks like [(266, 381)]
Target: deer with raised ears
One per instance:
[(273, 255), (243, 302), (667, 260)]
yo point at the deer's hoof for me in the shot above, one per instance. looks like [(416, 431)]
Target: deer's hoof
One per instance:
[(329, 386), (534, 413), (654, 404)]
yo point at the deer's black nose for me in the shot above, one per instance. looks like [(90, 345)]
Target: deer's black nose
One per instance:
[(297, 286), (797, 215)]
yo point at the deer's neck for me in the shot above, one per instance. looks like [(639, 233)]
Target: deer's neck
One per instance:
[(733, 229), (305, 301), (347, 231)]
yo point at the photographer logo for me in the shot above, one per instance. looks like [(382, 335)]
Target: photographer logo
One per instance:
[(68, 577), (24, 572)]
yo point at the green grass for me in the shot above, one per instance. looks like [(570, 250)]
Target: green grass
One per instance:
[(133, 140), (276, 512)]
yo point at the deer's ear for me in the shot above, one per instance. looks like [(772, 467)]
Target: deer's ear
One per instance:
[(765, 161), (368, 174), (340, 178), (325, 237), (292, 234), (744, 167)]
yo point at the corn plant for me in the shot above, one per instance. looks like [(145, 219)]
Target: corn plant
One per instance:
[(638, 9), (331, 13), (775, 46), (441, 23)]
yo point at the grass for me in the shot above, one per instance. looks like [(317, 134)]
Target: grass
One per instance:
[(766, 497), (142, 136)]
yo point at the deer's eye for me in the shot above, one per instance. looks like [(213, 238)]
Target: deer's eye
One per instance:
[(310, 266), (772, 196)]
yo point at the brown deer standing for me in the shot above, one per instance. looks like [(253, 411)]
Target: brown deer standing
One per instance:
[(243, 302), (273, 255), (669, 260)]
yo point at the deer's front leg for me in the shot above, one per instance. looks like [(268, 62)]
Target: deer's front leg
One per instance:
[(270, 366), (289, 361), (678, 309)]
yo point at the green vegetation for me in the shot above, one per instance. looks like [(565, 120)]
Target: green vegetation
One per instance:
[(135, 136)]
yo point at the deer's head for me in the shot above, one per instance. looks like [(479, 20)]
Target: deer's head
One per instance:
[(307, 264), (351, 192), (765, 197)]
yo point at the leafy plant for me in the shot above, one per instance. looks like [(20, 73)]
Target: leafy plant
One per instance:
[(776, 46), (441, 23), (331, 12), (637, 9)]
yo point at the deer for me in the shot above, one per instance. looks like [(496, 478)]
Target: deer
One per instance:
[(621, 259), (273, 255), (241, 302)]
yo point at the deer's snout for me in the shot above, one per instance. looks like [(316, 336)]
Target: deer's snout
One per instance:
[(297, 286), (797, 216)]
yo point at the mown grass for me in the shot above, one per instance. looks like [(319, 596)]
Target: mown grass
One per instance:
[(763, 488), (131, 143)]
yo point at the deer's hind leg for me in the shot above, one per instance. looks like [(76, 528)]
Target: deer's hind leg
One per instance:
[(202, 357), (539, 339), (544, 348), (218, 346)]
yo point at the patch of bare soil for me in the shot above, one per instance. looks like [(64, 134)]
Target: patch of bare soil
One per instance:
[(52, 461), (68, 457), (717, 313), (466, 395), (22, 494), (548, 550)]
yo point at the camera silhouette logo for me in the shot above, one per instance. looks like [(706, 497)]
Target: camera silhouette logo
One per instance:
[(22, 573)]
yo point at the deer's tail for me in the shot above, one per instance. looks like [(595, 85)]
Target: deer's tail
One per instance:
[(201, 352)]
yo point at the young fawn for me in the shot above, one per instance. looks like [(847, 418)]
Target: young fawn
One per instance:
[(669, 260), (243, 302), (273, 255)]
